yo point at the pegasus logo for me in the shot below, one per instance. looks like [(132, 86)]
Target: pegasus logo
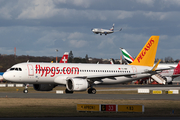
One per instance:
[(145, 50)]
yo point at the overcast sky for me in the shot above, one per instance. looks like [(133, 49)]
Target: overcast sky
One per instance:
[(39, 27)]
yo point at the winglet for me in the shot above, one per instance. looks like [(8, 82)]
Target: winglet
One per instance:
[(154, 68), (147, 55)]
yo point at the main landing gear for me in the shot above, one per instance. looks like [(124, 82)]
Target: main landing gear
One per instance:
[(26, 88), (68, 92), (91, 91)]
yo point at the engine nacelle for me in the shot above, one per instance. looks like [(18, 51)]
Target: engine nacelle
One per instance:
[(169, 80), (44, 87), (77, 84)]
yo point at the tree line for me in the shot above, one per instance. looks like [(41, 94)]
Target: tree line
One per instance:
[(7, 61)]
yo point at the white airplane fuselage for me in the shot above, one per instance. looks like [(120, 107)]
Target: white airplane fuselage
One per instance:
[(102, 31), (58, 73)]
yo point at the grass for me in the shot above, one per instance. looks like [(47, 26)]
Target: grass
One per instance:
[(17, 107)]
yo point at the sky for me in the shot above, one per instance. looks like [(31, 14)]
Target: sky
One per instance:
[(39, 27)]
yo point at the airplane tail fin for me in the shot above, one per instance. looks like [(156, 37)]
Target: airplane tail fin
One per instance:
[(127, 56), (177, 69), (64, 58), (112, 29), (147, 55), (111, 61)]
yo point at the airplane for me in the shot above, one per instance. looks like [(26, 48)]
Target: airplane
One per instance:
[(64, 58), (1, 76), (168, 75), (104, 31), (128, 58), (82, 77), (111, 61)]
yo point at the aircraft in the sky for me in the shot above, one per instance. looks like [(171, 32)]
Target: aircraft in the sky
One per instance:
[(168, 75), (82, 77), (104, 31)]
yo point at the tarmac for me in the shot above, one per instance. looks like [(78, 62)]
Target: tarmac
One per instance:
[(80, 95), (150, 96)]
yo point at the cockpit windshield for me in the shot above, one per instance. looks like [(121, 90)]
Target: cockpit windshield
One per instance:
[(15, 69)]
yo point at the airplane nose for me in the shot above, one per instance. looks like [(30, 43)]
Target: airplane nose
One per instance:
[(6, 76)]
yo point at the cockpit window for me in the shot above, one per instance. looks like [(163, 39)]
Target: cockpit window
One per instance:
[(12, 68), (15, 69)]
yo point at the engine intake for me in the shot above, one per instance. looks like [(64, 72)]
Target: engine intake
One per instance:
[(77, 84), (169, 80)]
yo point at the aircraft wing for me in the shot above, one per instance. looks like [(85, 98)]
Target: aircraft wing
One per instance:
[(157, 70), (118, 30), (175, 75), (165, 69), (114, 75), (152, 72)]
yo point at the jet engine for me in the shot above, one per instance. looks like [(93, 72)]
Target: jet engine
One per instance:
[(44, 87), (169, 80), (77, 84)]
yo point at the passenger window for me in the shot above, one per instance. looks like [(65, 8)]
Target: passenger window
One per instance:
[(16, 69), (20, 69)]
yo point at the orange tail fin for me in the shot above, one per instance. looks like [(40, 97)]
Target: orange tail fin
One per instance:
[(147, 55)]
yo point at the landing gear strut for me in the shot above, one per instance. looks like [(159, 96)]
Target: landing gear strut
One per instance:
[(92, 91), (26, 88)]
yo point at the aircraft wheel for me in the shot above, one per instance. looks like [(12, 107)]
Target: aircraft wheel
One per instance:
[(68, 92), (25, 91), (92, 91)]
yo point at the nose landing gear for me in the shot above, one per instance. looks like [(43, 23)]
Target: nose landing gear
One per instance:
[(26, 88)]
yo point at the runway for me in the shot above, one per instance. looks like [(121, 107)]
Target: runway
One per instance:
[(104, 88), (93, 96), (103, 96)]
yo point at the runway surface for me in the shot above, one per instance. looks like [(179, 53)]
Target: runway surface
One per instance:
[(96, 118), (104, 96), (101, 96), (93, 96)]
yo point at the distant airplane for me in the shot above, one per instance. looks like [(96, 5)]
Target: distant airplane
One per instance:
[(64, 58), (128, 58), (104, 31), (1, 75), (168, 75), (111, 61)]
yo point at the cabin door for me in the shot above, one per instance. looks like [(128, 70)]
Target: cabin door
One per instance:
[(30, 70)]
